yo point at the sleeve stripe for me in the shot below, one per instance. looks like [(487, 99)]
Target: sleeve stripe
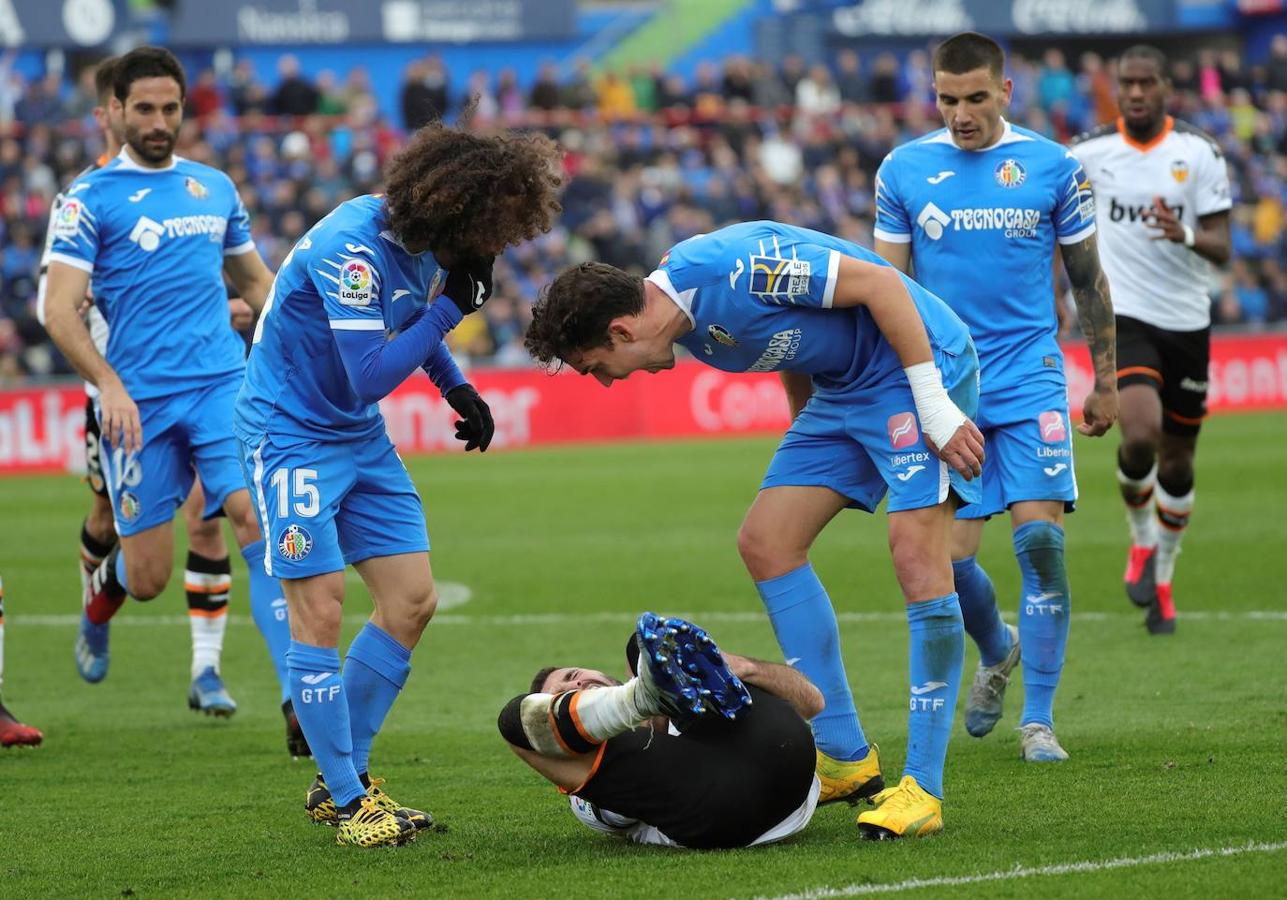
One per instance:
[(83, 264), (356, 324), (892, 237), (833, 273), (239, 249), (1078, 236)]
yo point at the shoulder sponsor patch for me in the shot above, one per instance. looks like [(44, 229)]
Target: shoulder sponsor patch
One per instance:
[(67, 219), (357, 283), (773, 276)]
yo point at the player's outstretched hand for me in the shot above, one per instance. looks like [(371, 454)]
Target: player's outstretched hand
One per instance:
[(475, 427), (1099, 412), (120, 416), (240, 313), (964, 451), (469, 284)]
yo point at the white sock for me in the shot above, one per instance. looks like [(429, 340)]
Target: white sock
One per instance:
[(597, 714), (208, 624), (1138, 496), (1173, 516)]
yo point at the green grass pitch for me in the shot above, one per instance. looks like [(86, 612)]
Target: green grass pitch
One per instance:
[(1177, 744)]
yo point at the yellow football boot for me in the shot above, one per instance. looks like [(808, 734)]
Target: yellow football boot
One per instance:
[(320, 807), (903, 811), (852, 782), (371, 826)]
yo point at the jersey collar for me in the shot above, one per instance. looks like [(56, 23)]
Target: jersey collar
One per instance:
[(127, 162), (682, 299), (1008, 136), (1167, 125)]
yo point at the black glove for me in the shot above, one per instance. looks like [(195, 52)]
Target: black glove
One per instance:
[(469, 283), (476, 427)]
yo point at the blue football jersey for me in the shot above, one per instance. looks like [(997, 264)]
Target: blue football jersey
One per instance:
[(759, 297), (983, 227), (154, 241), (348, 273)]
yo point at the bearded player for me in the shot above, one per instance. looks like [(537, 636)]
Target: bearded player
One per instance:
[(1162, 190)]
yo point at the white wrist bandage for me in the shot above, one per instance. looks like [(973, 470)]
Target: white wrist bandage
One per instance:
[(939, 416)]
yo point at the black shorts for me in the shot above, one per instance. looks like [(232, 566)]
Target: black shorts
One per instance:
[(719, 784), (93, 452), (1174, 363)]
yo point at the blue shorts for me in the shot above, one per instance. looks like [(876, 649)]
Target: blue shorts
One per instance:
[(325, 505), (1028, 448), (184, 435), (868, 442)]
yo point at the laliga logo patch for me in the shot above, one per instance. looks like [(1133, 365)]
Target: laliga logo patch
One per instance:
[(1180, 171), (130, 506), (295, 543), (355, 283), (1052, 427), (196, 188), (436, 285), (902, 430), (721, 335), (665, 258), (1009, 174), (67, 223)]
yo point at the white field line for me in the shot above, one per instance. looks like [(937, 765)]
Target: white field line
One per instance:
[(452, 595), (1073, 868)]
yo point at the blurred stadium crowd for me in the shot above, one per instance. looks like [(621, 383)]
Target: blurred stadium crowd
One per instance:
[(651, 159)]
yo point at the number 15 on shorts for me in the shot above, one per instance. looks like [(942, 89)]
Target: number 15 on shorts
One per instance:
[(296, 492)]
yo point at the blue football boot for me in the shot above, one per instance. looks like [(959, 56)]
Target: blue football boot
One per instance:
[(208, 695), (92, 655), (683, 666)]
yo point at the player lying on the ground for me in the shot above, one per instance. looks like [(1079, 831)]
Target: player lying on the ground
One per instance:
[(981, 190), (1167, 187), (331, 490), (12, 732), (158, 233), (208, 573), (894, 380), (698, 749)]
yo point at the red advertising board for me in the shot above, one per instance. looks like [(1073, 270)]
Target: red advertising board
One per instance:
[(41, 429)]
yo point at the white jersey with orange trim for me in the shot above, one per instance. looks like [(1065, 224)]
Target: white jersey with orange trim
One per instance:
[(1159, 282)]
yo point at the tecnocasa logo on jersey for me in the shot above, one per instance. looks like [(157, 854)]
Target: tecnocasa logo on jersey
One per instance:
[(147, 233), (1013, 221)]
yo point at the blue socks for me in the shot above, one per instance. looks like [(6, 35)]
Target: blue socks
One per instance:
[(979, 610), (936, 658), (268, 608), (805, 625), (375, 670), (317, 692), (1043, 616)]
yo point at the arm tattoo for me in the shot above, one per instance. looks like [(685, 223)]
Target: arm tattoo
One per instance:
[(1094, 306)]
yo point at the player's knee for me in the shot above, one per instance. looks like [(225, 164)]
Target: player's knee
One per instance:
[(1139, 444), (1175, 473), (417, 607), (100, 523), (146, 578), (921, 574), (764, 556)]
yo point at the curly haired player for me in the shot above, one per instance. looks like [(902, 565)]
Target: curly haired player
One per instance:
[(329, 486)]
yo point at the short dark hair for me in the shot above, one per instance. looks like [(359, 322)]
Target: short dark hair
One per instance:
[(105, 79), (968, 51), (538, 680), (457, 191), (146, 62), (1145, 51), (573, 312)]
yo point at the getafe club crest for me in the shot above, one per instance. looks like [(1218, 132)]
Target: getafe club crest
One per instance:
[(130, 506), (1009, 174), (196, 188), (721, 335), (295, 543)]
